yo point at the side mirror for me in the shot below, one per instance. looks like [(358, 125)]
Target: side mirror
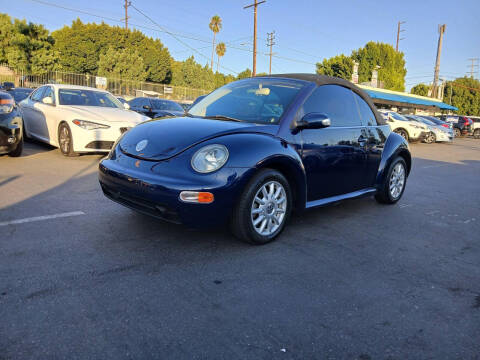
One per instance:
[(146, 107), (126, 106), (47, 100), (314, 121)]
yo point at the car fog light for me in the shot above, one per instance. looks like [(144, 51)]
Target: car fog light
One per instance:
[(11, 139), (196, 197)]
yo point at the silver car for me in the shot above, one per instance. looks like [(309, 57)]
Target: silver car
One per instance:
[(438, 133)]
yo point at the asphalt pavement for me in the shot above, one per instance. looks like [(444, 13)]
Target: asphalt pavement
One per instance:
[(82, 277)]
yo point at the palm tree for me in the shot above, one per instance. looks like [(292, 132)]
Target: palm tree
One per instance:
[(221, 49), (215, 25)]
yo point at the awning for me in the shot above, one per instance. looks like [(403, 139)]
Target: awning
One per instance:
[(398, 97)]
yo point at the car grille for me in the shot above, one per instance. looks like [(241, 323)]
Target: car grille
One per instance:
[(144, 206), (101, 145)]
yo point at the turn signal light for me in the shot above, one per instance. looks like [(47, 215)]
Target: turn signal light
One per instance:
[(196, 197)]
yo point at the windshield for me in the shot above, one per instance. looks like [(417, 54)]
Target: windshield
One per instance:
[(88, 98), (159, 104), (426, 121), (398, 116), (253, 100), (20, 94)]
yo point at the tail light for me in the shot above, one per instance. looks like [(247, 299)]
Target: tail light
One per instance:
[(446, 126)]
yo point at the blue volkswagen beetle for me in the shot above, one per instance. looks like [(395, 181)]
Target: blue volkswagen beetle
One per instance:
[(253, 151)]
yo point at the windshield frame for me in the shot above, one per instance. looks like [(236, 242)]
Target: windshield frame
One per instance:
[(302, 86), (106, 93)]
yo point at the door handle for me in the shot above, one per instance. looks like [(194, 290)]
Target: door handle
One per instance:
[(362, 140)]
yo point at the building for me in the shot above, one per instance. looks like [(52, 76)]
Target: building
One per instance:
[(407, 103)]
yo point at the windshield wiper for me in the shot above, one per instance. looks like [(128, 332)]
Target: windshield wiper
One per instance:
[(222, 117)]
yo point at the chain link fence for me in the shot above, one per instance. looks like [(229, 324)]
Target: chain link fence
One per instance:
[(118, 87)]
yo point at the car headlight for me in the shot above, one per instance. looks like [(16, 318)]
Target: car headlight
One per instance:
[(89, 125), (210, 158), (6, 106)]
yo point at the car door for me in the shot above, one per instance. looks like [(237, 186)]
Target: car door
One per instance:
[(334, 157), (46, 115), (30, 115), (376, 138)]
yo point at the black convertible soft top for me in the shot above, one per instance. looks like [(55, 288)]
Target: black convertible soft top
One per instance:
[(329, 80)]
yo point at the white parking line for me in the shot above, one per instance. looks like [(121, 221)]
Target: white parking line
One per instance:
[(41, 218)]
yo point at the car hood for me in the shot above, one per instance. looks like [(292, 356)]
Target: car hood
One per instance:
[(104, 114), (165, 138)]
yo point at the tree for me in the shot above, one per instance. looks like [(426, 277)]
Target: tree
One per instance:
[(25, 45), (221, 49), (215, 25), (420, 89), (80, 46), (244, 74), (464, 94), (339, 66), (122, 64), (392, 65), (191, 74)]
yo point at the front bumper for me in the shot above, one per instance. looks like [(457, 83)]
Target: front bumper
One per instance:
[(10, 133), (153, 188), (99, 140), (420, 137)]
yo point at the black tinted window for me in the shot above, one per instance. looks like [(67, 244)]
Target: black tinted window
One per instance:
[(49, 93), (336, 102), (160, 104), (366, 113), (134, 102)]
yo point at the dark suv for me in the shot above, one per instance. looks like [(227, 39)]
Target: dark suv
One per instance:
[(462, 125)]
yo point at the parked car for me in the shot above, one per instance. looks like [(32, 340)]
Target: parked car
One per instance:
[(437, 121), (198, 99), (256, 149), (11, 131), (476, 126), (437, 132), (409, 130), (77, 119), (124, 102), (20, 94), (154, 108), (462, 125)]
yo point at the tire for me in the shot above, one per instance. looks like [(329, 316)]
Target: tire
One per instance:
[(457, 132), (431, 138), (65, 141), (245, 223), (18, 150), (476, 134), (385, 195), (402, 133)]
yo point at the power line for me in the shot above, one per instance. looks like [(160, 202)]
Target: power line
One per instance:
[(176, 38)]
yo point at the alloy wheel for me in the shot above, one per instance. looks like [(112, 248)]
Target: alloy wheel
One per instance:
[(65, 140), (269, 208), (397, 181)]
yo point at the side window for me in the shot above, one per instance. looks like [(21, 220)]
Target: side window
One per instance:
[(145, 102), (48, 93), (38, 94), (366, 113), (336, 102)]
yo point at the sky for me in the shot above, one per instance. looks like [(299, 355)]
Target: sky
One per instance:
[(306, 31)]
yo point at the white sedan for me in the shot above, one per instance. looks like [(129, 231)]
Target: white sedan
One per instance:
[(77, 119)]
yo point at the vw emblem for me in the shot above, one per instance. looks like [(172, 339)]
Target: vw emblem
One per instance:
[(141, 145)]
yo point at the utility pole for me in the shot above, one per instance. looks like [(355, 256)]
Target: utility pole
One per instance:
[(399, 30), (441, 31), (270, 43), (472, 66), (255, 4), (127, 4)]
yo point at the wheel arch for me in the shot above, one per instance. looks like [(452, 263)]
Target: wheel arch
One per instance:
[(394, 146)]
